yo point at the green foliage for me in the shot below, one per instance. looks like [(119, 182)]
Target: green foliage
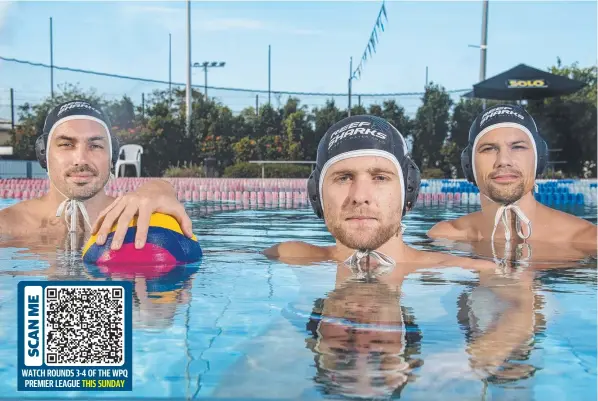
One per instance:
[(250, 170), (463, 115), (569, 122), (291, 131), (432, 173), (245, 149), (431, 126), (184, 171)]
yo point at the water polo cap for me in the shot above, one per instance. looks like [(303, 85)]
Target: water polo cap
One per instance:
[(67, 111), (363, 135), (505, 116), (73, 110)]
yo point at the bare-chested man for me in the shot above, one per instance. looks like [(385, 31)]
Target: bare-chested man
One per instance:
[(504, 156), (79, 151), (362, 186)]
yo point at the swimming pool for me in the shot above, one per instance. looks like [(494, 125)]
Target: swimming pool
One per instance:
[(240, 326)]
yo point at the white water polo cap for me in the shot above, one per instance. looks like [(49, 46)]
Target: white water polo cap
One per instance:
[(363, 135)]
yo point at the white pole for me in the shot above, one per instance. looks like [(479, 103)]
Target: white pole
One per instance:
[(188, 99)]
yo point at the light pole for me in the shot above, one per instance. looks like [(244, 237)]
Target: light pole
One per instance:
[(205, 65), (188, 94), (483, 45)]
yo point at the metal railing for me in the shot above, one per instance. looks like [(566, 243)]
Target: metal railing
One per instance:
[(263, 162)]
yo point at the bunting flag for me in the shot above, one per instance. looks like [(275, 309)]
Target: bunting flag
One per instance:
[(372, 42)]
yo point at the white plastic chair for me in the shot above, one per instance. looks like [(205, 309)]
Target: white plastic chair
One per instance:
[(132, 154)]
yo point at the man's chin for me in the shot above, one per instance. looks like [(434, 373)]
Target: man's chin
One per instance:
[(360, 241), (505, 195), (83, 193)]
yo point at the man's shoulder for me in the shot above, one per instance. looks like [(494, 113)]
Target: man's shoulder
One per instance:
[(575, 228), (459, 228), (18, 214), (297, 251)]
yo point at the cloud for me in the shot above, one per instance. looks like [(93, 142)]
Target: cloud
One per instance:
[(4, 6), (174, 18)]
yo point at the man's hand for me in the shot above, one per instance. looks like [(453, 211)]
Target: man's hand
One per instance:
[(155, 196)]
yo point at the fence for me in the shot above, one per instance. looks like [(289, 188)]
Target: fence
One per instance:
[(30, 83), (21, 169)]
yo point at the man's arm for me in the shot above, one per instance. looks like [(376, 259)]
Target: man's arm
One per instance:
[(297, 253)]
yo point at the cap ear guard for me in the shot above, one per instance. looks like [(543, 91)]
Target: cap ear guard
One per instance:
[(542, 149), (466, 158), (40, 150), (312, 192), (412, 184)]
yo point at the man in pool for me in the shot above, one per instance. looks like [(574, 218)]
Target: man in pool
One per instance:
[(362, 186), (504, 157), (79, 151)]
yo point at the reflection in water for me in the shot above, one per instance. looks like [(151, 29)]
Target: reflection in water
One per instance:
[(158, 291), (221, 331), (363, 340)]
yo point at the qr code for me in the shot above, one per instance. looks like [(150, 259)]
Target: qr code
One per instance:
[(84, 326)]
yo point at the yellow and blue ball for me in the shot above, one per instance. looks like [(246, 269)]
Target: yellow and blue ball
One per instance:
[(166, 246)]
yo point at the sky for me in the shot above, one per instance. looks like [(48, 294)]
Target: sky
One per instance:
[(311, 44)]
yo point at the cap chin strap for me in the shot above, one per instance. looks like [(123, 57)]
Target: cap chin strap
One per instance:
[(70, 208), (362, 256), (502, 214)]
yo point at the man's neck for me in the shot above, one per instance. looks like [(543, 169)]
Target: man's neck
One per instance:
[(527, 204), (93, 206)]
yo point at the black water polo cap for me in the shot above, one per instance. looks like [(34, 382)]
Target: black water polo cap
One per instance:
[(74, 110), (364, 135), (505, 115)]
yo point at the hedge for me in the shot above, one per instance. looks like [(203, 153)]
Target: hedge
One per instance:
[(249, 170)]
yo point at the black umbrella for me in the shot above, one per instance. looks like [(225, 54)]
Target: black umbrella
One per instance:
[(524, 82)]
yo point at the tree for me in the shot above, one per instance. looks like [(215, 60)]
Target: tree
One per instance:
[(322, 118), (569, 122), (292, 131), (430, 127), (395, 114), (462, 117), (122, 113)]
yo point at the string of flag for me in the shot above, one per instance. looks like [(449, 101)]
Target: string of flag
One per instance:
[(371, 46)]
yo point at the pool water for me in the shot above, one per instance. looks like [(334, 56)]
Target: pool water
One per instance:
[(239, 326)]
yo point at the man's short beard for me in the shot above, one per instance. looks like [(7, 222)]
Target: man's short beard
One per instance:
[(506, 195), (380, 237), (84, 193)]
